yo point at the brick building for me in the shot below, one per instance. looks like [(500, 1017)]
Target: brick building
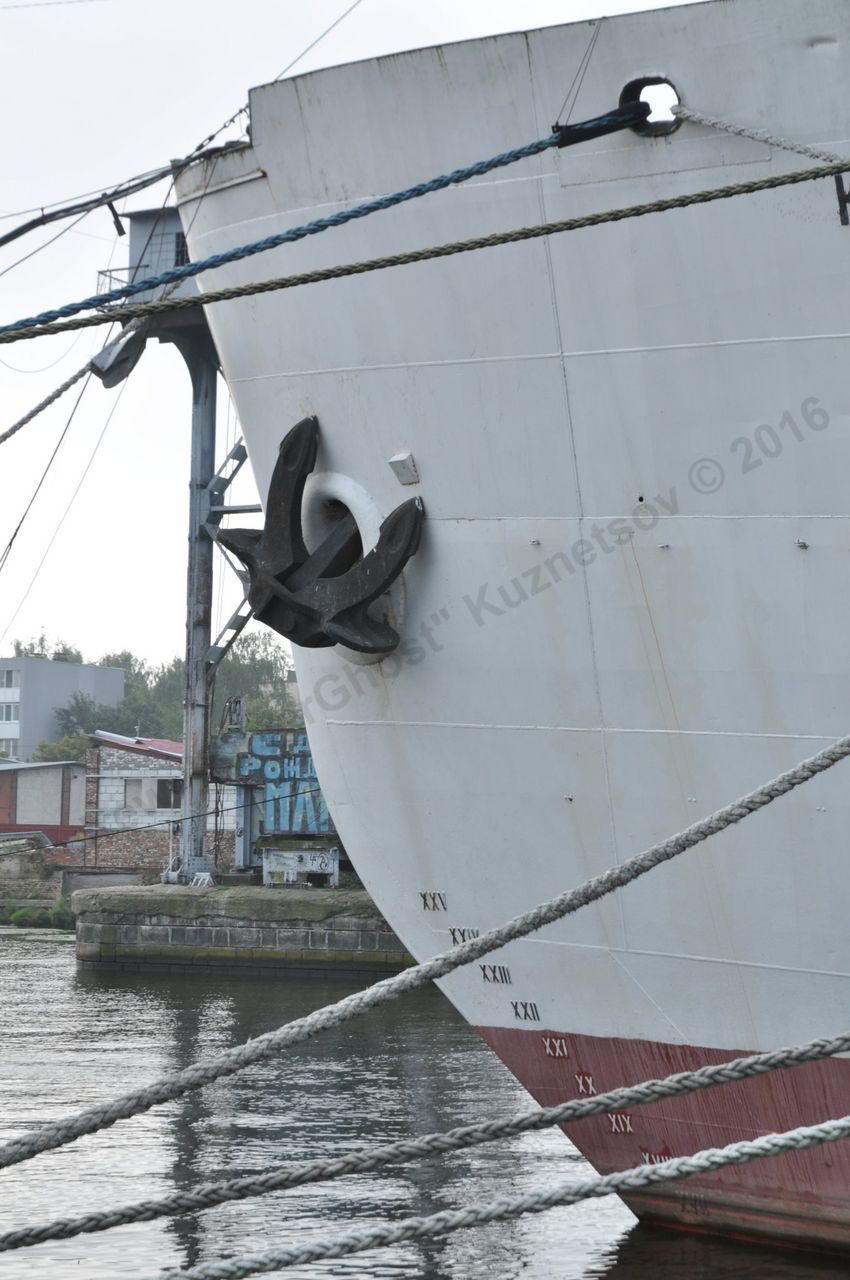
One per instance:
[(133, 804)]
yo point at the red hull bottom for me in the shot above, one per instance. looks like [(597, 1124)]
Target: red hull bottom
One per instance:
[(800, 1198)]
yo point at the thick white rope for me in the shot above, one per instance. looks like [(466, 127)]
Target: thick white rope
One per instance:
[(758, 135), (438, 1224), (45, 404), (208, 1195), (61, 1132)]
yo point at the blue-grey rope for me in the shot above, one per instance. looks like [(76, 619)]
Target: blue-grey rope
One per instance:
[(622, 118), (516, 236), (207, 1195), (61, 1132), (506, 1207)]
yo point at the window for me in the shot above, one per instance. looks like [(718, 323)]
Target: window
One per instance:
[(140, 794), (169, 793), (9, 711), (181, 250), (8, 746), (152, 793), (10, 679)]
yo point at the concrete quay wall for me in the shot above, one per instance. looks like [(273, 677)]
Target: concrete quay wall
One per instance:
[(33, 878), (250, 929)]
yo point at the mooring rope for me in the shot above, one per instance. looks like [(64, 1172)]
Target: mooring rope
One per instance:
[(207, 1195), (46, 403), (705, 196), (506, 1207), (53, 1136), (566, 135), (61, 1132), (758, 135)]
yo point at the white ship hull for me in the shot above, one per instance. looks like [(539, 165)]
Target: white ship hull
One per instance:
[(630, 604)]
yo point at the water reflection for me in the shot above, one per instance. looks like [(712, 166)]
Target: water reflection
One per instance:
[(73, 1039), (646, 1253)]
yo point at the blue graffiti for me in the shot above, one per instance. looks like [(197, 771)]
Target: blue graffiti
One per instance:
[(293, 809), (282, 764)]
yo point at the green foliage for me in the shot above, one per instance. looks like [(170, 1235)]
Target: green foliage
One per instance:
[(255, 669), (66, 652), (59, 916), (152, 707), (166, 693), (79, 716), (31, 648), (31, 918), (71, 747), (137, 672), (42, 648)]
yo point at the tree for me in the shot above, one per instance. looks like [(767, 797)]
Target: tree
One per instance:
[(152, 702), (31, 648), (42, 648), (255, 669), (72, 747), (80, 716), (137, 673), (64, 652), (167, 690)]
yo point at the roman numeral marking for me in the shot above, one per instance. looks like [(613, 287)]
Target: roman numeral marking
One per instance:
[(432, 901), (585, 1083), (621, 1122), (525, 1010), (555, 1047), (495, 973), (654, 1157), (462, 935)]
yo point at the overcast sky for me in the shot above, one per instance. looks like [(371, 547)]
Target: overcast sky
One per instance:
[(95, 92)]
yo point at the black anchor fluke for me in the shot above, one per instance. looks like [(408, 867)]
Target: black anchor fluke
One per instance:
[(322, 597)]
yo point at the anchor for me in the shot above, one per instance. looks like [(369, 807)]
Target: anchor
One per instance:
[(320, 598)]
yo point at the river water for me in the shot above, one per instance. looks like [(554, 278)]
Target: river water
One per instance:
[(72, 1039)]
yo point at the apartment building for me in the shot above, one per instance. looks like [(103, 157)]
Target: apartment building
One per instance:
[(33, 688)]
